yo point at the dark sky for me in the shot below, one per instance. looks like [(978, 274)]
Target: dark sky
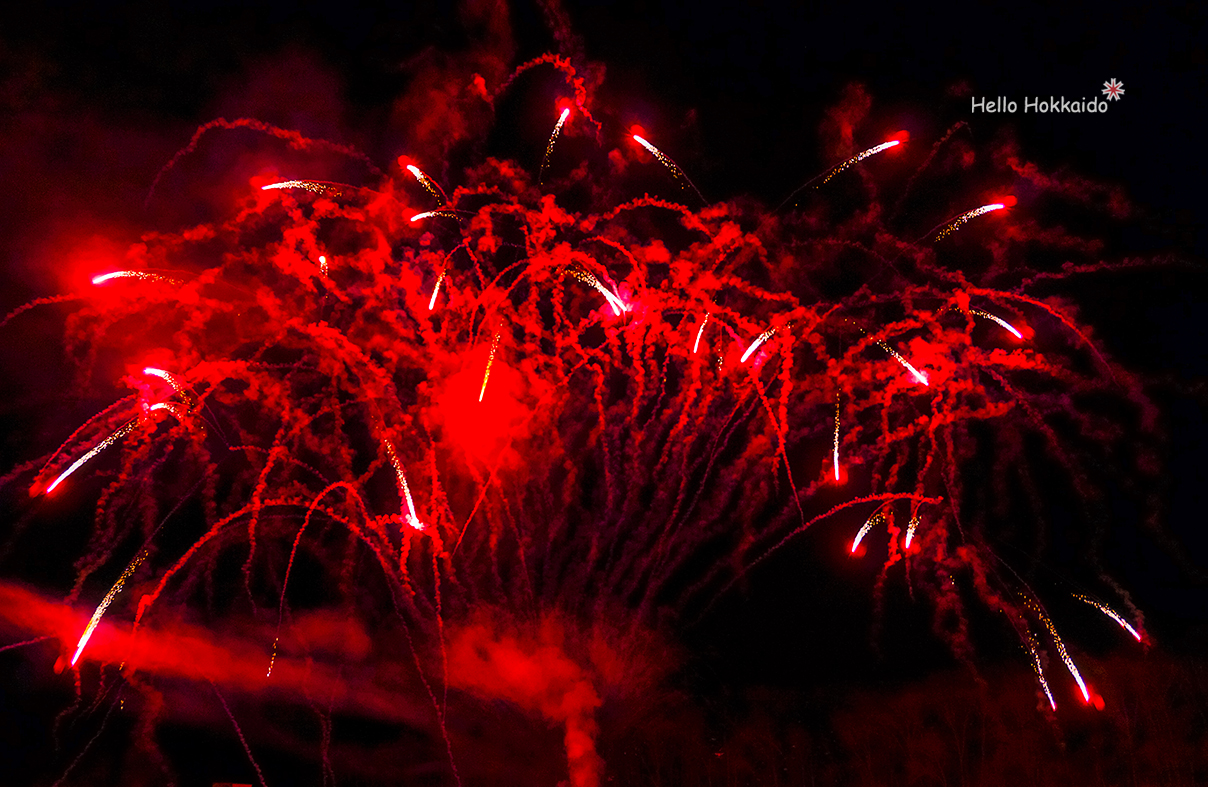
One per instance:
[(95, 98)]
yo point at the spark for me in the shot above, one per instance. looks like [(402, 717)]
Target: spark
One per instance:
[(861, 156), (618, 306), (167, 377), (430, 185), (1036, 665), (869, 525), (956, 223), (490, 360), (671, 166), (323, 264), (835, 453), (448, 214), (104, 605), (699, 331), (174, 408), (136, 275), (922, 378), (1111, 613), (549, 148), (313, 186), (914, 525), (1062, 652), (998, 320), (404, 490), (760, 339), (436, 290), (121, 432)]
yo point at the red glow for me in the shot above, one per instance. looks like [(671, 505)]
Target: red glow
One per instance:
[(1008, 201), (902, 137), (482, 428), (1097, 701)]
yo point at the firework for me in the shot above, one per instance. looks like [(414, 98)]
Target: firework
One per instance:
[(759, 340), (429, 185), (872, 522), (104, 605), (918, 376), (486, 375), (445, 214), (117, 434), (671, 166), (835, 448), (320, 187), (1038, 667), (699, 331), (1111, 613), (549, 148), (142, 276), (856, 159), (955, 224), (998, 320)]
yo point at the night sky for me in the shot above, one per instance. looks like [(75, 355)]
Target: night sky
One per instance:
[(96, 99)]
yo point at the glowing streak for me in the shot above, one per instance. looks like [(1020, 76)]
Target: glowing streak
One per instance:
[(671, 166), (956, 223), (699, 331), (763, 337), (1036, 665), (136, 275), (618, 306), (121, 432), (872, 522), (104, 605), (922, 378), (998, 320), (175, 409), (323, 264), (914, 525), (167, 377), (490, 360), (1111, 613), (313, 186), (835, 453), (448, 214), (428, 184), (435, 290), (861, 156), (549, 148), (404, 490), (1064, 654)]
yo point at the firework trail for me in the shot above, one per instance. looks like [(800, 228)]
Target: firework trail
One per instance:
[(431, 186), (872, 522), (835, 448), (404, 490), (321, 187), (1011, 328), (759, 340), (1038, 667), (549, 148), (900, 138), (671, 166), (118, 434), (486, 375), (955, 224), (142, 276), (699, 331), (446, 214), (104, 605), (913, 526), (918, 376), (1111, 613)]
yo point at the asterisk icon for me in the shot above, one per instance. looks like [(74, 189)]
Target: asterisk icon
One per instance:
[(1113, 90)]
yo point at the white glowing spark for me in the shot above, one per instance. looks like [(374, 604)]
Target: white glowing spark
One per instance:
[(448, 214), (998, 320), (666, 161), (404, 490), (872, 521), (1111, 613), (760, 339), (919, 376), (121, 432), (835, 453), (914, 525), (136, 275), (618, 306), (104, 605), (436, 290), (1036, 665), (490, 360), (956, 223), (549, 148), (699, 331), (428, 184), (861, 156), (323, 264), (167, 377)]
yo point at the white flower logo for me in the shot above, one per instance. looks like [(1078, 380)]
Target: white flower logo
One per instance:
[(1113, 90)]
